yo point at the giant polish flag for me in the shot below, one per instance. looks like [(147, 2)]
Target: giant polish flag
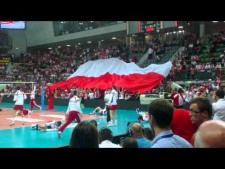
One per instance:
[(104, 73)]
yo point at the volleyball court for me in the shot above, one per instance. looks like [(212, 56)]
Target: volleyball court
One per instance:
[(36, 117)]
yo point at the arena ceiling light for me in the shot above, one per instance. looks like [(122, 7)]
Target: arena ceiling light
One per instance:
[(113, 37), (68, 45)]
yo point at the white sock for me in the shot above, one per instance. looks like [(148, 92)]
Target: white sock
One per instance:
[(17, 113), (13, 121)]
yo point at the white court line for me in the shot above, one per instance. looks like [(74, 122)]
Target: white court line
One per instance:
[(53, 115), (25, 119)]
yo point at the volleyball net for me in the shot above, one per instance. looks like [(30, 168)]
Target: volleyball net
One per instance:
[(10, 88)]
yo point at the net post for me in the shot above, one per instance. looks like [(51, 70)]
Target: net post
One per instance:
[(42, 98)]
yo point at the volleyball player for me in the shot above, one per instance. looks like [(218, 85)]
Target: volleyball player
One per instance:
[(19, 98), (33, 102)]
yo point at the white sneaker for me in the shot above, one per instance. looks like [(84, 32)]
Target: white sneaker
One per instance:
[(92, 113), (138, 110), (110, 123), (59, 134)]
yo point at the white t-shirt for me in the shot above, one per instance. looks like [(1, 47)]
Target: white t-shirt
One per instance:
[(19, 97), (74, 105), (107, 99), (108, 144), (114, 97)]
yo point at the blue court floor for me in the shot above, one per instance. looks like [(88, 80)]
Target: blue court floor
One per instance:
[(24, 137)]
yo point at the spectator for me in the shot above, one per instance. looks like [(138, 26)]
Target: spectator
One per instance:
[(84, 135), (181, 124), (129, 142), (211, 134), (148, 133), (200, 110), (106, 137), (150, 53), (178, 99), (219, 106), (160, 117), (137, 131), (94, 122)]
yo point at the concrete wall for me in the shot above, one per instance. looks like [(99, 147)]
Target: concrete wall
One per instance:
[(19, 44), (41, 32), (132, 27)]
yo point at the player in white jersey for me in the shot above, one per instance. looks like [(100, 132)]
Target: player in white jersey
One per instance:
[(100, 110), (50, 126), (113, 107), (19, 98), (73, 112), (143, 116)]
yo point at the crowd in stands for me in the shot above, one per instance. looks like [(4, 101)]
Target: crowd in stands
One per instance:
[(205, 101), (201, 59), (46, 67), (56, 65)]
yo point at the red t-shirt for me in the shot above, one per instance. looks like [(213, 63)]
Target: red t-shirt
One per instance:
[(181, 124)]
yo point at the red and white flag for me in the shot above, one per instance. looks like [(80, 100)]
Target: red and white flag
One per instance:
[(104, 73)]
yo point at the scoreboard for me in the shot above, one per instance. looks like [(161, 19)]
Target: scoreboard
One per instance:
[(12, 25)]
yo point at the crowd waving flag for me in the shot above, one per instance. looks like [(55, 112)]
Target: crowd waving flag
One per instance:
[(104, 73)]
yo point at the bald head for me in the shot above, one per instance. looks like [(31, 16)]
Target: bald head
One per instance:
[(211, 134), (136, 128)]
